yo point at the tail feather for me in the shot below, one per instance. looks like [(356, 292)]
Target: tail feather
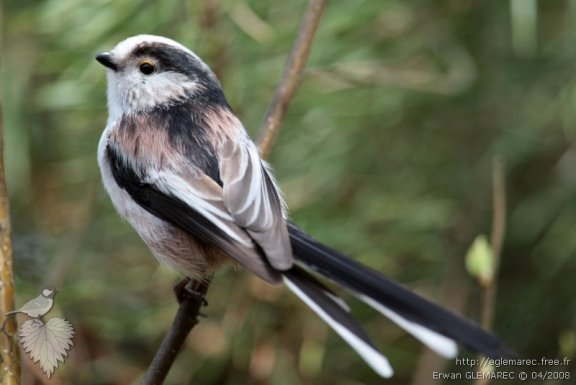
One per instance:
[(432, 324), (437, 342), (330, 308)]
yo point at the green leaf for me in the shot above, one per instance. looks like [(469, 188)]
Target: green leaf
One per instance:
[(480, 260)]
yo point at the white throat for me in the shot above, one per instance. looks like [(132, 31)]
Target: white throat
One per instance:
[(129, 93)]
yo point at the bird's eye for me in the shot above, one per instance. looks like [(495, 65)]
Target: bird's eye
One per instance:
[(147, 67)]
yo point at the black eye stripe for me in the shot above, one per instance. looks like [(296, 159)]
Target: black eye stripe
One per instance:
[(170, 58)]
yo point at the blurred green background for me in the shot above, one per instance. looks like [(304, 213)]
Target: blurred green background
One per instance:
[(385, 154)]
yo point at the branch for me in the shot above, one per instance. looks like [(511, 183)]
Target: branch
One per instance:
[(290, 77), (9, 351), (496, 238), (191, 295), (496, 242), (9, 354)]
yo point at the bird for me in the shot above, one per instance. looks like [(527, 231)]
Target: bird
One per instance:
[(39, 306), (180, 168)]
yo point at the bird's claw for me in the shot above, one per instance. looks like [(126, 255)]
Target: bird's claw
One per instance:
[(189, 289)]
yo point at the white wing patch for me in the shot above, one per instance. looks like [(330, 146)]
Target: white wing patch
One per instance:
[(254, 202), (204, 196), (245, 190)]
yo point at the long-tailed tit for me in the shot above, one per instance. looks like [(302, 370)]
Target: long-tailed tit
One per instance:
[(181, 169)]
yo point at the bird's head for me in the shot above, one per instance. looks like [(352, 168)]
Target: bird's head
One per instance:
[(49, 292), (147, 71)]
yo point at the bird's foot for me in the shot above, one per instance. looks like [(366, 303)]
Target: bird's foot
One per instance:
[(191, 289)]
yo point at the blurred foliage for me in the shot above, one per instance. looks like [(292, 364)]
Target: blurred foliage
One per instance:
[(385, 154)]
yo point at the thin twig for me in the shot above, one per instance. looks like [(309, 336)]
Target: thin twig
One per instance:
[(291, 76), (216, 54), (496, 241), (192, 298)]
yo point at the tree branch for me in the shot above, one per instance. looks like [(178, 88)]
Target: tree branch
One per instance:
[(9, 351), (9, 354), (496, 241), (191, 295), (290, 77)]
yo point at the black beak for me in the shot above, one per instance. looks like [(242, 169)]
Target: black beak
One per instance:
[(107, 60)]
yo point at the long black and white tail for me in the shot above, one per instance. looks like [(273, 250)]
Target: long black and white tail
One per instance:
[(337, 315), (436, 327)]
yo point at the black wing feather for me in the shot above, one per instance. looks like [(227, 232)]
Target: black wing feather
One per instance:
[(163, 206)]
